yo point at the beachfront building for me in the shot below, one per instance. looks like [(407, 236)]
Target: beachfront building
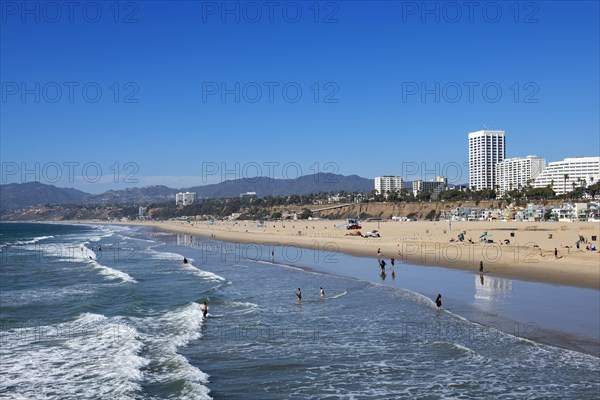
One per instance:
[(486, 149), (572, 212), (533, 213), (435, 186), (184, 199), (456, 214), (564, 176), (386, 183), (516, 173)]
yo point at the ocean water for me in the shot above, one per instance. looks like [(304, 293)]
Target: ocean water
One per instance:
[(113, 312)]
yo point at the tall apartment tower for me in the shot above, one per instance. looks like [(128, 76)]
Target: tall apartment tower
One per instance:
[(388, 182), (486, 148)]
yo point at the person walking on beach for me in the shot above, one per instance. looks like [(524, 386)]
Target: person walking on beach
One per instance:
[(378, 252), (481, 267), (555, 252), (299, 294), (438, 302), (321, 292), (204, 310)]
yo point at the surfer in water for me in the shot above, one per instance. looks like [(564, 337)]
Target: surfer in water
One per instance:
[(299, 294), (438, 302), (204, 310), (185, 261)]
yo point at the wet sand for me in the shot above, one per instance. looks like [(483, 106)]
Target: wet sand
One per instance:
[(528, 256)]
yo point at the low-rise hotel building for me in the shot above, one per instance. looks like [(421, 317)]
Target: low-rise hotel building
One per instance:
[(516, 173), (564, 176)]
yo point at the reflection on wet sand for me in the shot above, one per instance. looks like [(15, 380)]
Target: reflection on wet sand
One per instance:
[(491, 288)]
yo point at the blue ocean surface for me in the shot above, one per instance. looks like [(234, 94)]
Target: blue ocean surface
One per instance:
[(113, 312)]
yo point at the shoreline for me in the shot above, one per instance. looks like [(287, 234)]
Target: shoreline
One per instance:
[(421, 243), (518, 308), (526, 311)]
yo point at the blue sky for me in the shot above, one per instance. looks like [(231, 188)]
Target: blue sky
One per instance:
[(111, 95)]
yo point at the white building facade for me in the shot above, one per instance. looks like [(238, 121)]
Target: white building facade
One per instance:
[(388, 182), (184, 199), (564, 176), (436, 187), (516, 173), (486, 149)]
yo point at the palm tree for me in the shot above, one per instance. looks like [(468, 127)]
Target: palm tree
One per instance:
[(565, 177)]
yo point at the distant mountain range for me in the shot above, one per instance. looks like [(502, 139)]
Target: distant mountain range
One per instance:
[(20, 195)]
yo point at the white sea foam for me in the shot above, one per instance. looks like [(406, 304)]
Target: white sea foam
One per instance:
[(276, 264), (188, 267), (72, 360), (112, 273), (31, 296), (89, 256), (36, 239), (138, 239), (201, 273), (241, 308), (242, 304), (164, 255), (335, 296), (164, 335)]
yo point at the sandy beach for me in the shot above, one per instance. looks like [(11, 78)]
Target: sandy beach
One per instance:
[(530, 255)]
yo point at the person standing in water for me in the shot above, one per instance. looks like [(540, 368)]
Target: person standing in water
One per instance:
[(481, 267), (438, 302), (299, 294), (204, 310), (322, 292), (272, 255)]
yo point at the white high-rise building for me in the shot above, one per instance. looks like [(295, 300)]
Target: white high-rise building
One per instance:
[(564, 176), (486, 149), (516, 173), (184, 199), (387, 182)]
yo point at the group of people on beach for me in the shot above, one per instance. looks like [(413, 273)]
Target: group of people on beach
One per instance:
[(299, 294), (438, 299)]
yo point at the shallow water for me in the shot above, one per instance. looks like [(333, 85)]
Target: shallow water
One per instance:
[(131, 316)]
